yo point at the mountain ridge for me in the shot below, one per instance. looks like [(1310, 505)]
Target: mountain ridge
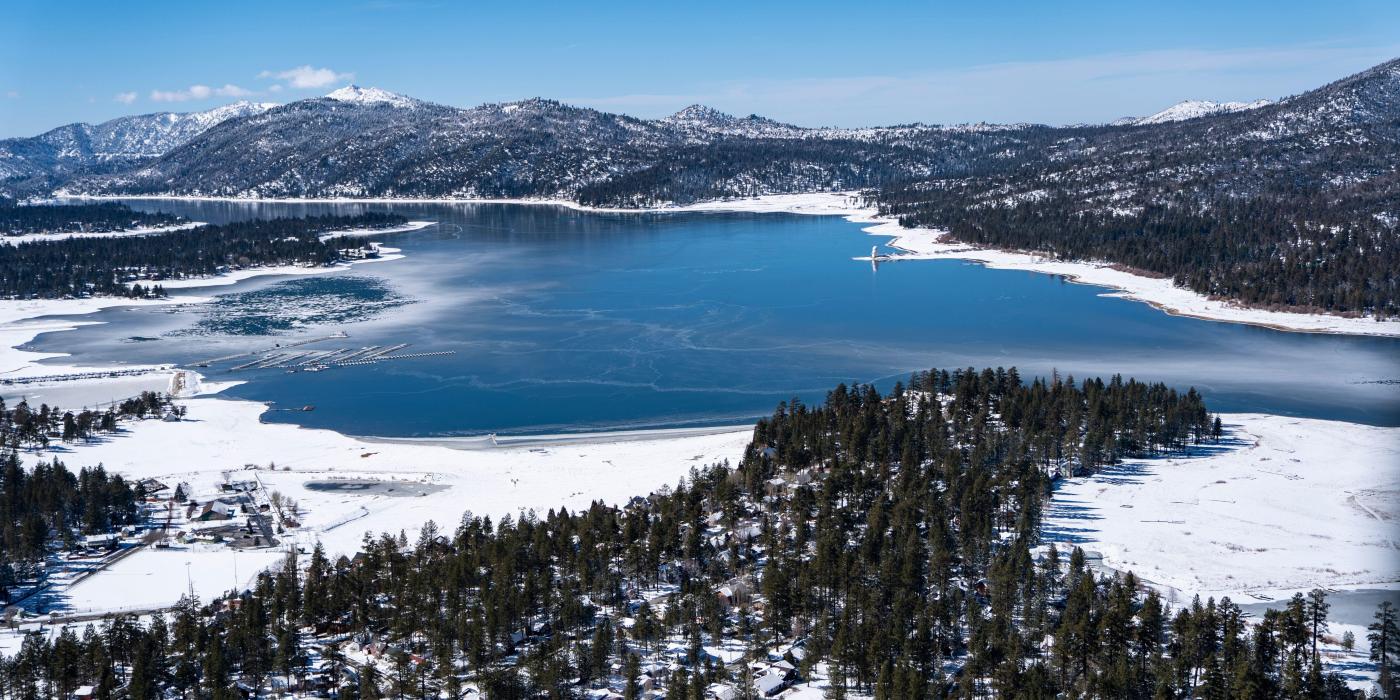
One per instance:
[(1299, 190)]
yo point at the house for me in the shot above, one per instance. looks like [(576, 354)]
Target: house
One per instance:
[(213, 511), (776, 486), (721, 691), (106, 540), (735, 592), (746, 530), (84, 692), (151, 486), (771, 682)]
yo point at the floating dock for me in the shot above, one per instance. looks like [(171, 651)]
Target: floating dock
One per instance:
[(280, 357)]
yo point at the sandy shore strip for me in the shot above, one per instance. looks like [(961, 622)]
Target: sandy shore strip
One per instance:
[(492, 442), (930, 244)]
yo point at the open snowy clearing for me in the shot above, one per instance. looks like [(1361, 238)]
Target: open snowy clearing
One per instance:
[(223, 435), (62, 236), (1283, 505), (928, 244)]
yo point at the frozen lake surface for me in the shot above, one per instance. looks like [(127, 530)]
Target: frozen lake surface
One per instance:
[(570, 321)]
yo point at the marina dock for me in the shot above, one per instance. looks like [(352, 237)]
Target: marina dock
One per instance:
[(284, 358)]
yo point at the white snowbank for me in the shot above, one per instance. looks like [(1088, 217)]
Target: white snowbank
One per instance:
[(366, 232), (385, 255), (1286, 504), (62, 236), (220, 435), (927, 244)]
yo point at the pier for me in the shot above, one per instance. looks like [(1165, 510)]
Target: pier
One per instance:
[(103, 374), (283, 358), (280, 346)]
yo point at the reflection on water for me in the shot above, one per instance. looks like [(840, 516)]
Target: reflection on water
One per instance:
[(562, 320)]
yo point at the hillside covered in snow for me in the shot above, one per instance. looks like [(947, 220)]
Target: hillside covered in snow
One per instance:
[(1290, 204), (114, 144)]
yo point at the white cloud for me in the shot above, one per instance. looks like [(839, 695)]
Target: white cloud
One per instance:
[(125, 98), (307, 77), (12, 94), (199, 92)]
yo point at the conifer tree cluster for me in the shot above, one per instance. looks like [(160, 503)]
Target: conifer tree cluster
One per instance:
[(1288, 251), (102, 217), (133, 266), (24, 427), (47, 505), (893, 538)]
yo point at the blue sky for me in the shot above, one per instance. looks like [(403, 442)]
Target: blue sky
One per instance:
[(811, 63)]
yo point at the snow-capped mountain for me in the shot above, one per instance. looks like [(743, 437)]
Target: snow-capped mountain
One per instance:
[(121, 141), (1337, 136), (367, 96), (703, 123), (362, 142), (1191, 109), (367, 142)]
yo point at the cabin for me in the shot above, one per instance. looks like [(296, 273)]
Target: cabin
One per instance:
[(151, 486), (771, 682), (214, 511), (721, 691), (734, 593), (106, 541)]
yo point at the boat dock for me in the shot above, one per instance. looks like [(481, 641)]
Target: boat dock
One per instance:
[(103, 374), (283, 358), (280, 346)]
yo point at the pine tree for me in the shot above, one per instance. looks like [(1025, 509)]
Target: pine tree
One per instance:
[(1385, 643)]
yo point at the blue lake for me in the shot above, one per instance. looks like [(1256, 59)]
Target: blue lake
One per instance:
[(564, 321)]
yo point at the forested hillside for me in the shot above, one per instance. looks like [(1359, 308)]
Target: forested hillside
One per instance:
[(102, 217), (134, 266), (881, 544), (1292, 205), (1289, 205)]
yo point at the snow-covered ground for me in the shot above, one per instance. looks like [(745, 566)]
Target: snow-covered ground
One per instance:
[(153, 579), (225, 435), (23, 320), (143, 231), (928, 244), (1283, 505), (366, 232), (1295, 504)]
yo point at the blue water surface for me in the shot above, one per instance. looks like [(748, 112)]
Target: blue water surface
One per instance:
[(567, 321)]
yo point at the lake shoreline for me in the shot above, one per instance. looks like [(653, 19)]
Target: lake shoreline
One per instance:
[(524, 471), (920, 244)]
